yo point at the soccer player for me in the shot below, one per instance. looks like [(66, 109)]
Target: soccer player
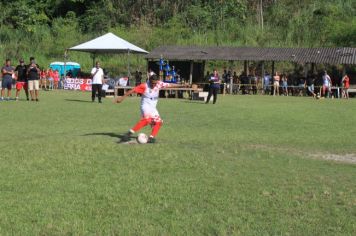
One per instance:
[(149, 92)]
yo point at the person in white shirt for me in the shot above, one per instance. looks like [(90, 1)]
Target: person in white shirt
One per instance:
[(97, 81), (326, 85)]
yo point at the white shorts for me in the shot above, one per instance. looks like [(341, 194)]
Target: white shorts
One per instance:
[(33, 85)]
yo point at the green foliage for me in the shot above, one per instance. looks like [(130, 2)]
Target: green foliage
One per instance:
[(46, 28)]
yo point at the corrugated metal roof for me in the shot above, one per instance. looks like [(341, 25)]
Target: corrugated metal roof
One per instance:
[(302, 55)]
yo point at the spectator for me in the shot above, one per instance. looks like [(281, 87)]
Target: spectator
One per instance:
[(33, 73), (56, 79), (253, 81), (213, 87), (345, 86), (21, 82), (7, 72), (326, 84), (310, 83), (266, 83), (244, 83), (302, 85), (50, 75), (235, 83), (43, 79), (284, 84), (227, 81), (276, 79), (69, 74), (97, 81)]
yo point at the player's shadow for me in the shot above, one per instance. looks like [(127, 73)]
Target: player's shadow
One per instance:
[(110, 134), (77, 100)]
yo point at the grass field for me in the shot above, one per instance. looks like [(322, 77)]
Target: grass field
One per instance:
[(248, 165)]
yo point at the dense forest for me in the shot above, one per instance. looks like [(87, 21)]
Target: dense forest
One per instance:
[(45, 28)]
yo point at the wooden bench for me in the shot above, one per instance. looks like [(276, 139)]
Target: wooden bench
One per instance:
[(352, 90)]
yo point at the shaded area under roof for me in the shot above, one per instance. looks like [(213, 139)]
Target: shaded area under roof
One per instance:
[(299, 55)]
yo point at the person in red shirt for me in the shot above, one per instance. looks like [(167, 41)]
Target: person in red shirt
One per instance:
[(43, 79), (50, 75), (346, 86), (56, 79)]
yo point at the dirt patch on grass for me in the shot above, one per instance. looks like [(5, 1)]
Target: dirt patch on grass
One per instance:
[(346, 158)]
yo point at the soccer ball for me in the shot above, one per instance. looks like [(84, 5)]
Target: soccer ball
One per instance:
[(142, 138)]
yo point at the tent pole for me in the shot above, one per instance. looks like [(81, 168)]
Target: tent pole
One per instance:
[(191, 72), (262, 73), (94, 59), (128, 64)]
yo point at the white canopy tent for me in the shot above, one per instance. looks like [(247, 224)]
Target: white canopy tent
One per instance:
[(109, 43)]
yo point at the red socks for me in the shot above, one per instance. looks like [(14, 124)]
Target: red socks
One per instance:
[(147, 121)]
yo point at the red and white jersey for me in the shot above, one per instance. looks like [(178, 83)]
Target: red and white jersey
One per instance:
[(149, 98)]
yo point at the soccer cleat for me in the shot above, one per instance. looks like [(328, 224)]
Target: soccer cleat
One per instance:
[(126, 137), (151, 140)]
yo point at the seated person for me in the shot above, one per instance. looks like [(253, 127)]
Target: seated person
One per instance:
[(69, 74), (123, 81)]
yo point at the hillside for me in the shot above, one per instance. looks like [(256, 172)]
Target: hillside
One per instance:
[(46, 28)]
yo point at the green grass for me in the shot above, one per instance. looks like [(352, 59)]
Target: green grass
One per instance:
[(249, 165)]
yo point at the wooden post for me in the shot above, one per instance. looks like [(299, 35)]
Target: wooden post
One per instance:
[(262, 73), (191, 72), (272, 69), (312, 69), (231, 63)]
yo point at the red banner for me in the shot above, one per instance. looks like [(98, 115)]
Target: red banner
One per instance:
[(77, 84)]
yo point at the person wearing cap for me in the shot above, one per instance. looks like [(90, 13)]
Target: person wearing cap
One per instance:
[(7, 72), (21, 81)]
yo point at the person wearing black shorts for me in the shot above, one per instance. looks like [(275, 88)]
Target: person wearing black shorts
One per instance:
[(7, 72)]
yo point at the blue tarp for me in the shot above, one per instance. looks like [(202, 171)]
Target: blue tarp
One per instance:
[(73, 66)]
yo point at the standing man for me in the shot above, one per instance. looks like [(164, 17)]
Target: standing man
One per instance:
[(21, 79), (266, 83), (7, 72), (33, 74), (213, 87), (97, 81), (310, 83)]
